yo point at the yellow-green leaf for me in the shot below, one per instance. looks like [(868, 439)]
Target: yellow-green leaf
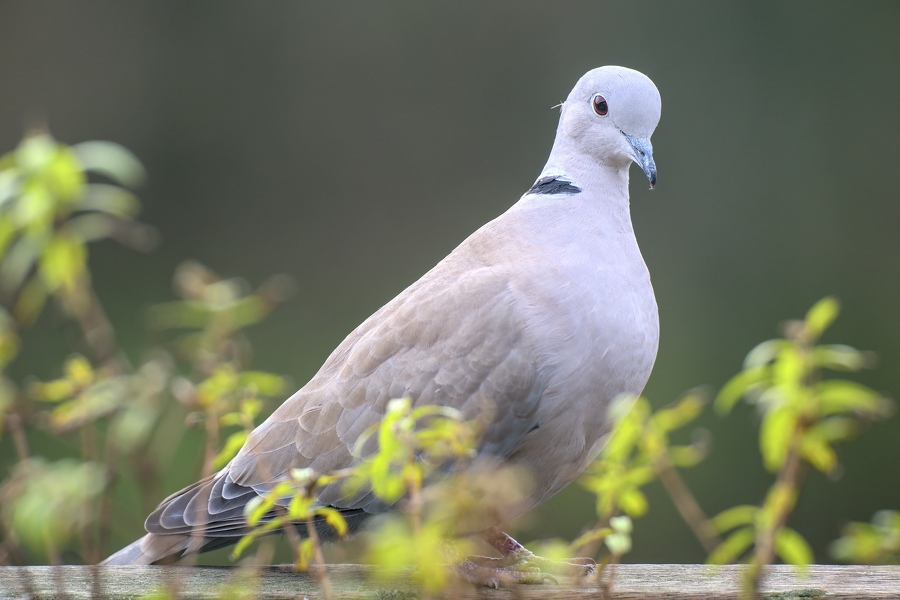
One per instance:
[(792, 547), (232, 446), (777, 428), (733, 547), (727, 520), (335, 519), (739, 385), (63, 262), (821, 316)]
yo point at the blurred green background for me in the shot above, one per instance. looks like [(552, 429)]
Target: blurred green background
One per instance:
[(352, 145)]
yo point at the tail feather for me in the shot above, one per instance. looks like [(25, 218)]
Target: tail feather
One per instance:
[(153, 549)]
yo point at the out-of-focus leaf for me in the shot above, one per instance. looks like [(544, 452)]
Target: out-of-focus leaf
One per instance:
[(792, 547), (111, 160), (835, 429), (335, 519), (7, 233), (633, 502), (35, 152), (305, 552), (739, 385), (30, 303), (64, 176), (686, 410), (111, 200), (842, 396), (265, 384), (821, 316), (17, 263), (733, 547), (9, 185), (789, 369), (817, 450), (35, 209), (46, 504), (232, 446), (764, 353), (778, 427), (63, 262), (727, 520), (78, 370), (841, 357), (95, 402)]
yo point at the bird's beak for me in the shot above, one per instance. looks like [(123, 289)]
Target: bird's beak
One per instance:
[(643, 156)]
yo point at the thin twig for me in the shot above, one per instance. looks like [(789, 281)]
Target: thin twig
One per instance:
[(686, 503), (17, 431)]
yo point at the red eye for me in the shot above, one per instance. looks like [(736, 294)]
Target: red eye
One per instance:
[(600, 106)]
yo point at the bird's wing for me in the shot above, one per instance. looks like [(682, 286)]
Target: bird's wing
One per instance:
[(454, 338)]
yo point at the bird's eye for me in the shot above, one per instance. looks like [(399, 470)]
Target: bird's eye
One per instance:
[(600, 105)]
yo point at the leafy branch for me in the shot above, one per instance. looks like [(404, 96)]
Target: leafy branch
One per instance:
[(804, 416)]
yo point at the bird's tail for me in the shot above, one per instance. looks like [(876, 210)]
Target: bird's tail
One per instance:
[(152, 549)]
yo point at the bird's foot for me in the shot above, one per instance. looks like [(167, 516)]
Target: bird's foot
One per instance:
[(494, 572), (518, 565)]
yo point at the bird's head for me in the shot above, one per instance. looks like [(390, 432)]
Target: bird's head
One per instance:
[(610, 115)]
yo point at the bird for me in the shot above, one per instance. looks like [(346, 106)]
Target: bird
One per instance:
[(547, 313)]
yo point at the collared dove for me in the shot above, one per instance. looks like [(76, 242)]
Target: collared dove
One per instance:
[(546, 313)]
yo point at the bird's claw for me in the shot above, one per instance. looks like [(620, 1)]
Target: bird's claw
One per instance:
[(520, 567)]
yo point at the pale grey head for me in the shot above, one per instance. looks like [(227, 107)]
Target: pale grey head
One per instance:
[(610, 115)]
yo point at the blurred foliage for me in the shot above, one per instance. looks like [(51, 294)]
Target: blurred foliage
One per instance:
[(50, 211), (803, 416), (639, 452), (875, 543), (47, 506), (51, 207)]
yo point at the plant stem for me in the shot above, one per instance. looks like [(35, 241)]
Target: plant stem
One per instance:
[(319, 569), (787, 483), (686, 503)]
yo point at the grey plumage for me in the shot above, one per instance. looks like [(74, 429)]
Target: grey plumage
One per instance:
[(543, 316)]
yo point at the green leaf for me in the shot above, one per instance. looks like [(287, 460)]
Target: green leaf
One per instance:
[(305, 553), (835, 429), (840, 357), (111, 160), (777, 428), (64, 176), (63, 262), (818, 452), (733, 547), (232, 446), (842, 396), (633, 502), (265, 384), (110, 200), (739, 385), (335, 519), (821, 316), (727, 520), (789, 369), (686, 410), (792, 547), (35, 152), (764, 353)]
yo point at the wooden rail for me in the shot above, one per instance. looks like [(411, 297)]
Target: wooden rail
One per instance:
[(355, 581)]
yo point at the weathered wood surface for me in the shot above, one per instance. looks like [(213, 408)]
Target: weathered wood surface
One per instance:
[(354, 581)]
